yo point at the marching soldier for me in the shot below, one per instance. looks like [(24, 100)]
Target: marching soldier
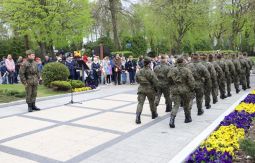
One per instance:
[(161, 72), (148, 83), (237, 65), (215, 86), (244, 69), (182, 85), (232, 71), (248, 71), (29, 77), (202, 78)]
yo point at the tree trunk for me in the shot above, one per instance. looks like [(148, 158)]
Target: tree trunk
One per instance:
[(42, 48), (114, 23), (26, 42)]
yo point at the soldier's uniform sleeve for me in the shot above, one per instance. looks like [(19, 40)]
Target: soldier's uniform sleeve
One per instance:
[(153, 79), (206, 74), (137, 77), (22, 74), (238, 67), (213, 74)]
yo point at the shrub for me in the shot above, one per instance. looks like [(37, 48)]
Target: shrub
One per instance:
[(76, 84), (14, 93), (54, 72), (61, 85)]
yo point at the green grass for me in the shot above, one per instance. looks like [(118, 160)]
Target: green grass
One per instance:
[(253, 58), (42, 92)]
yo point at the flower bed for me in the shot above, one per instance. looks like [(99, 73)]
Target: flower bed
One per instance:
[(82, 89), (221, 145)]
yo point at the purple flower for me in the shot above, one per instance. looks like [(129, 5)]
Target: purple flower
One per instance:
[(239, 119), (250, 99), (203, 155)]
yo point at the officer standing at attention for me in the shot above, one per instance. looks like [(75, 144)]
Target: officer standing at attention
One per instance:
[(161, 72), (29, 77), (148, 84)]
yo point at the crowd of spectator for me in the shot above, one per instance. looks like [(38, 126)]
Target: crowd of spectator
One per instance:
[(115, 70)]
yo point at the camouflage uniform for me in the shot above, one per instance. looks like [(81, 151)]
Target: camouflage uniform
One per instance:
[(148, 83), (202, 78), (244, 69), (232, 74), (223, 65), (182, 85), (29, 76), (161, 72), (250, 63), (237, 65), (214, 81)]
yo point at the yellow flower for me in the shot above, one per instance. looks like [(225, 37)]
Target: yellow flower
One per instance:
[(249, 108), (225, 139)]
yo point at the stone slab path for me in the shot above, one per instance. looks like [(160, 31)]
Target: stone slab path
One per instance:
[(99, 130)]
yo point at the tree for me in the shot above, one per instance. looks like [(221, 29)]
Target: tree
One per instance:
[(46, 22)]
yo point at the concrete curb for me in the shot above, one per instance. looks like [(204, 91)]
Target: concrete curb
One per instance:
[(20, 102), (192, 146)]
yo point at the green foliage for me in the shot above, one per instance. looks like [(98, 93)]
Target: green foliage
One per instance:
[(54, 72), (248, 146), (14, 93), (138, 45), (76, 84), (61, 85), (215, 51), (14, 46), (52, 22)]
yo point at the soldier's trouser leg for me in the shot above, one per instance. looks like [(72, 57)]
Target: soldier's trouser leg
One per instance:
[(177, 102), (199, 98), (236, 83), (248, 80), (214, 93), (29, 94), (222, 88), (228, 85), (34, 93), (187, 102), (151, 98), (158, 96), (167, 96), (207, 97), (243, 81), (141, 98)]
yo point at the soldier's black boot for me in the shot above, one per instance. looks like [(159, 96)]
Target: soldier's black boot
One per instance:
[(229, 94), (200, 112), (30, 109), (215, 101), (248, 86), (138, 118), (171, 123), (223, 96), (237, 91), (187, 118), (208, 106), (154, 114), (35, 107), (168, 108)]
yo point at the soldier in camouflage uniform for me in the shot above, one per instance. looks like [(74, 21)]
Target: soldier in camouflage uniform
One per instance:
[(182, 85), (202, 77), (232, 71), (237, 65), (220, 76), (244, 69), (248, 71), (148, 83), (214, 82), (29, 77), (225, 70), (161, 73)]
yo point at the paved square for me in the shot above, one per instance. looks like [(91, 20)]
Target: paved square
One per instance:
[(114, 121), (63, 113), (123, 97), (61, 143), (8, 158), (102, 104), (13, 126)]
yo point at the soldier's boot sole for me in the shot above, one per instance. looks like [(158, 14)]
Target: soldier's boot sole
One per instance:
[(208, 106), (229, 94)]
